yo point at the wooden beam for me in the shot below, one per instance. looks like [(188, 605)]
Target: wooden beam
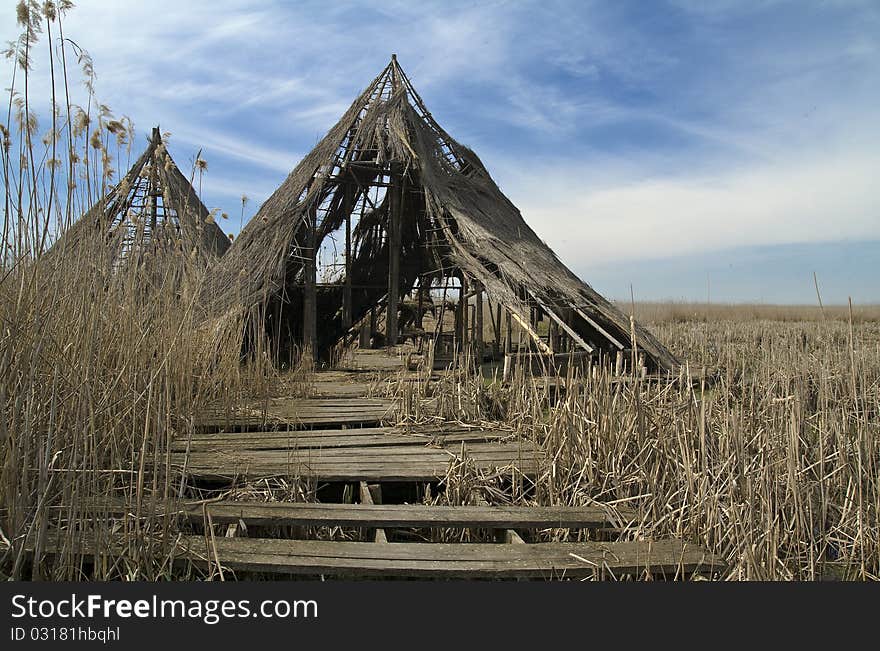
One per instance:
[(511, 537), (368, 499), (543, 347), (599, 328), (562, 324), (310, 315), (478, 323), (346, 292), (394, 243)]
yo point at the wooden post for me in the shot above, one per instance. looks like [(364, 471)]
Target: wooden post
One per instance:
[(391, 333), (462, 334), (420, 308), (346, 291), (478, 323), (154, 185), (309, 290)]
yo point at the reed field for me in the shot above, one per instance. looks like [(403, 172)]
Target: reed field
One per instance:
[(765, 449)]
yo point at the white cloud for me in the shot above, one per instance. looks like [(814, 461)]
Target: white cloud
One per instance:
[(821, 198)]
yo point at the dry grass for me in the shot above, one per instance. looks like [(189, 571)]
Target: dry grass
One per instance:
[(774, 467), (662, 312), (101, 362)]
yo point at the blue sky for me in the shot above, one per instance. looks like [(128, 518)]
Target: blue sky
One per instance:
[(652, 144)]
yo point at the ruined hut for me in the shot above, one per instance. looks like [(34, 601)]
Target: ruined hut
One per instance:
[(410, 212), (153, 213)]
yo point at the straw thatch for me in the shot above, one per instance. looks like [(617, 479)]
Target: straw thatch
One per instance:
[(153, 210), (454, 220)]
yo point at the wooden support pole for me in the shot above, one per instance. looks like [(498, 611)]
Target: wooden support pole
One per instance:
[(542, 347), (478, 323), (599, 328), (394, 242), (496, 328), (346, 292), (370, 495), (420, 308), (310, 317), (462, 333)]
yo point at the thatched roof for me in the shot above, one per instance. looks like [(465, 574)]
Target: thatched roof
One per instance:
[(153, 208), (455, 215)]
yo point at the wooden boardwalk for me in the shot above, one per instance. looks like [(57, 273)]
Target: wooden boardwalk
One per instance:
[(344, 435)]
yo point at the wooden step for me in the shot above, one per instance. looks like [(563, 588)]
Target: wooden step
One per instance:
[(402, 515), (669, 558)]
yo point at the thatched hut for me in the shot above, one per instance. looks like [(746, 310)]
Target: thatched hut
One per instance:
[(414, 211), (152, 211)]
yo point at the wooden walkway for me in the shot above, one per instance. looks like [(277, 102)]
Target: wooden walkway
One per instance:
[(344, 435)]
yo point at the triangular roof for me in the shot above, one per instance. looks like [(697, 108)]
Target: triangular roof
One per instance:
[(456, 216), (154, 207)]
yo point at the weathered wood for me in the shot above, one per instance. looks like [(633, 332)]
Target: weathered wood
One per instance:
[(299, 412), (401, 515), (478, 323), (394, 244), (668, 558), (310, 311), (335, 438), (598, 328), (543, 347), (367, 499), (346, 291), (350, 455), (431, 466), (562, 324), (511, 537)]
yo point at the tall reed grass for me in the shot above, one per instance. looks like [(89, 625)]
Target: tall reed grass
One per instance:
[(774, 466), (101, 363)]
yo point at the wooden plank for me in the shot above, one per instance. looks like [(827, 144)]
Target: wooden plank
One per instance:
[(300, 412), (390, 472), (469, 560), (409, 515), (475, 449), (301, 441), (302, 438)]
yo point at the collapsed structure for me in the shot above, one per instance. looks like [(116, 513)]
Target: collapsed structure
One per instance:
[(415, 212), (153, 209)]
